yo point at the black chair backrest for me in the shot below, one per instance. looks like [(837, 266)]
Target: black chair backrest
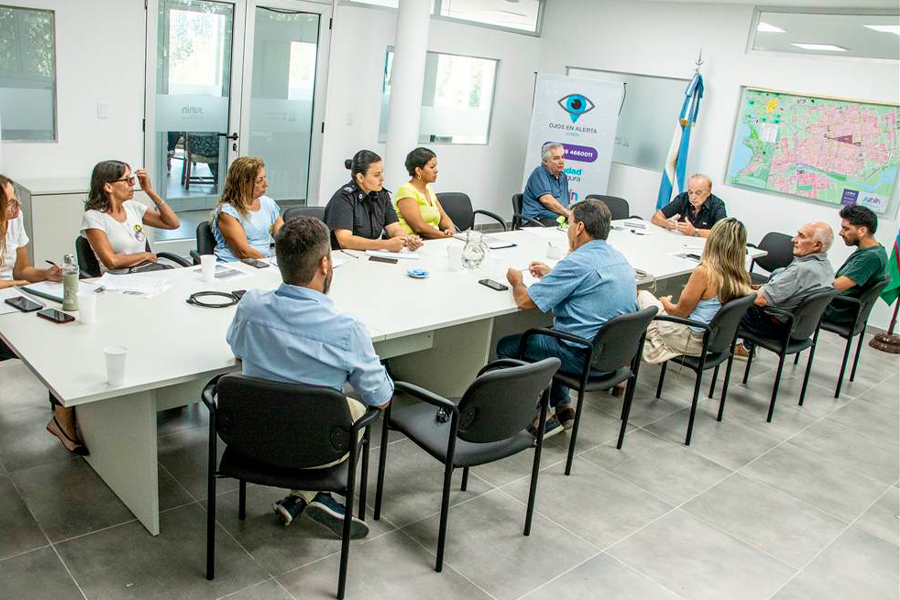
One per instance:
[(87, 260), (809, 312), (518, 200), (206, 241), (292, 213), (618, 207), (617, 341), (780, 250), (724, 324), (458, 207), (500, 403), (867, 301), (286, 425)]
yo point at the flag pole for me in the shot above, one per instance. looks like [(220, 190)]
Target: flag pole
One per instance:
[(888, 342)]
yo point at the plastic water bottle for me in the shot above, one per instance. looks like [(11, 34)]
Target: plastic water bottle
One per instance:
[(70, 282)]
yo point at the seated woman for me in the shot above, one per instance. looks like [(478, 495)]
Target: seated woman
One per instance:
[(418, 209), (245, 219), (721, 276), (359, 212), (113, 223), (16, 269)]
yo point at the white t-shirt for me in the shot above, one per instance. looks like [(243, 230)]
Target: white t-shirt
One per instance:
[(15, 239), (125, 238)]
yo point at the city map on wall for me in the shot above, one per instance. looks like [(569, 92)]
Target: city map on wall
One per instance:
[(833, 151)]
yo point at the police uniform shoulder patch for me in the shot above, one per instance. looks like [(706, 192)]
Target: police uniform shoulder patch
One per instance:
[(348, 188)]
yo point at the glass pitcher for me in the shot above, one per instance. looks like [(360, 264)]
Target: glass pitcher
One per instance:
[(474, 251)]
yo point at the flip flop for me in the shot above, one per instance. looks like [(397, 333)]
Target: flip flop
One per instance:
[(71, 445)]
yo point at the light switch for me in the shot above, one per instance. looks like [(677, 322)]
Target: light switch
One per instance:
[(102, 110)]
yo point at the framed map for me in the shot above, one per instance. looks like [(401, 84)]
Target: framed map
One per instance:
[(823, 149)]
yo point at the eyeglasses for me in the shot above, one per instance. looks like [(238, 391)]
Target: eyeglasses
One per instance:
[(128, 180)]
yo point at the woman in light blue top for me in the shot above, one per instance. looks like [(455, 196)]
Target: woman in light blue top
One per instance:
[(245, 219), (721, 276)]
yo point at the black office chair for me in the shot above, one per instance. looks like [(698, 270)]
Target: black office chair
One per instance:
[(458, 207), (487, 424), (206, 242), (518, 219), (275, 434), (719, 338), (292, 213), (862, 307), (89, 265), (802, 323), (780, 253), (613, 357), (618, 207)]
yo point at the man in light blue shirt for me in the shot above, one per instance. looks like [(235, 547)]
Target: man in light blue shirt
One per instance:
[(546, 194), (295, 334), (590, 286)]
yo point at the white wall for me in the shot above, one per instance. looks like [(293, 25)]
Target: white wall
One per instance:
[(657, 38), (99, 56)]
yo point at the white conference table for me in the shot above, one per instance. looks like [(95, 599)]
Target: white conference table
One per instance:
[(438, 332)]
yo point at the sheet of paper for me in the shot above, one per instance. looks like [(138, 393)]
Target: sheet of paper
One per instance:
[(133, 284), (51, 288), (404, 254), (226, 273), (12, 293)]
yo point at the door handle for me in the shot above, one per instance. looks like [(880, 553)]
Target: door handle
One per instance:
[(233, 136)]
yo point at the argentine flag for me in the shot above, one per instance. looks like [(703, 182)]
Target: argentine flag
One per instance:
[(676, 159)]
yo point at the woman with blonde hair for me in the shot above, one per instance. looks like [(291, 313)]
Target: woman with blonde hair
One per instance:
[(721, 276), (245, 219)]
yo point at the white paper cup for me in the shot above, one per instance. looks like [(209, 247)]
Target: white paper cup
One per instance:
[(555, 252), (454, 257), (87, 307), (115, 364), (208, 267)]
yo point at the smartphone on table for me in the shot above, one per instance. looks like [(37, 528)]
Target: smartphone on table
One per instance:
[(57, 316), (499, 287), (24, 304), (255, 262)]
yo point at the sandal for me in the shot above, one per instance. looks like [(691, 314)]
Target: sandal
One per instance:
[(73, 446)]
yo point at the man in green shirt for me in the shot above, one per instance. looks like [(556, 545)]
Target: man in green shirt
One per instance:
[(865, 267)]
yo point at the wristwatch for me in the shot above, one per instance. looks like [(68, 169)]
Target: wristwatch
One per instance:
[(696, 233)]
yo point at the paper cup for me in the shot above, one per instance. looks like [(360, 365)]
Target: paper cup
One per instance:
[(208, 267), (454, 257), (115, 364), (87, 307)]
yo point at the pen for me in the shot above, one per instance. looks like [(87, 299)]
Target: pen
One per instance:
[(348, 254), (50, 262)]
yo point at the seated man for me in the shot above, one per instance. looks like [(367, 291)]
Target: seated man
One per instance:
[(546, 195), (693, 212), (809, 272), (590, 286), (295, 334), (864, 268)]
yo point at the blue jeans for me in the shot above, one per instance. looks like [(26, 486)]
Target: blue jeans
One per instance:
[(758, 322), (539, 347)]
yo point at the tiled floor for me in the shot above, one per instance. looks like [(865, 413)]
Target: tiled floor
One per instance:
[(803, 508)]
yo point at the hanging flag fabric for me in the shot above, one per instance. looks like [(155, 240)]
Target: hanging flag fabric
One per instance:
[(891, 292), (676, 159)]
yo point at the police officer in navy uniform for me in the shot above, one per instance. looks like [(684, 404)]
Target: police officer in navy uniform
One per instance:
[(360, 211), (693, 212)]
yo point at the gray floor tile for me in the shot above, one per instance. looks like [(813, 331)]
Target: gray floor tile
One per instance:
[(392, 567), (886, 394), (645, 407), (486, 545), (597, 427), (38, 575), (684, 554), (750, 409), (181, 418), (874, 457), (856, 565), (267, 590), (126, 562), (171, 493), (819, 398), (601, 577), (826, 368), (870, 419), (829, 486), (788, 529), (668, 470), (883, 518), (184, 454), (69, 499), (608, 508), (520, 465), (25, 441), (20, 532), (20, 389)]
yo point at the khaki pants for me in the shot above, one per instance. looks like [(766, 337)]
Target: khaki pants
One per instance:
[(666, 340), (357, 410)]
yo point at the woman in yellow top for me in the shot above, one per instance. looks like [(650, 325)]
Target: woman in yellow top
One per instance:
[(417, 206)]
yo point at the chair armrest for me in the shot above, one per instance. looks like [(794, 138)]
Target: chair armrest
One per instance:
[(554, 334), (178, 260), (488, 213), (780, 312), (195, 256), (82, 274), (426, 396), (749, 245), (524, 219), (638, 217), (208, 395), (367, 419), (848, 299), (683, 321), (499, 364)]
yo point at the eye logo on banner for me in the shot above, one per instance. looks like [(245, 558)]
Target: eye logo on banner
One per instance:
[(576, 105)]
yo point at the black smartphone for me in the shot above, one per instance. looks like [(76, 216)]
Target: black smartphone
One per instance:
[(238, 294), (24, 304), (57, 316), (390, 261), (255, 262), (493, 284), (694, 256)]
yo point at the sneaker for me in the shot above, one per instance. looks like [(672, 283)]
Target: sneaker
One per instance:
[(551, 427), (566, 417), (330, 513), (289, 508), (741, 352)]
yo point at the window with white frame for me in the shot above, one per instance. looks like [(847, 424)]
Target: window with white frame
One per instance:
[(516, 15), (27, 74), (456, 101)]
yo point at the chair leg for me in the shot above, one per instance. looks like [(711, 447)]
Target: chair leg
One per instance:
[(725, 388), (364, 476), (749, 361), (348, 522), (662, 376), (382, 464), (690, 429), (242, 499), (858, 350), (712, 384), (574, 436), (629, 395), (465, 480), (797, 359), (809, 362), (535, 469), (837, 389), (445, 510), (775, 387), (211, 502)]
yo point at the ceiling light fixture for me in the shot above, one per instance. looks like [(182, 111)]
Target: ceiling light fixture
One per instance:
[(895, 29), (820, 47), (766, 28)]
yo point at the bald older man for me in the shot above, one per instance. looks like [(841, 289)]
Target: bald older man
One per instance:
[(809, 272), (693, 212)]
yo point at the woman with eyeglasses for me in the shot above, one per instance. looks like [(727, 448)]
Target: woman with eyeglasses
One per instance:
[(245, 219), (113, 222)]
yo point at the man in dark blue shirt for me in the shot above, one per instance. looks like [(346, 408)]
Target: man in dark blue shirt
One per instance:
[(546, 195), (693, 212)]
